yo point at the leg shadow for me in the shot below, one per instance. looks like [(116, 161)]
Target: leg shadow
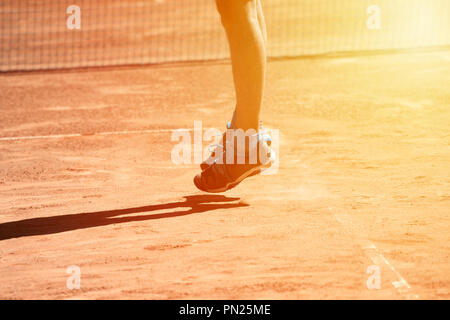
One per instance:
[(63, 223)]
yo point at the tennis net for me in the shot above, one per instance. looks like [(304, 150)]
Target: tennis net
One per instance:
[(43, 34)]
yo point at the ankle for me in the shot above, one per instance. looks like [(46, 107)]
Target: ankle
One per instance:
[(247, 124)]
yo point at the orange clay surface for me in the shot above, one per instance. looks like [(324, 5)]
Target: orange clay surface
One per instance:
[(363, 180)]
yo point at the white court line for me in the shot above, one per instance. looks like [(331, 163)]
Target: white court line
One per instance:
[(400, 284), (107, 133)]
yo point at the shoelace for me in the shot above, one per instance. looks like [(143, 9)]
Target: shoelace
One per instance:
[(213, 147), (223, 150)]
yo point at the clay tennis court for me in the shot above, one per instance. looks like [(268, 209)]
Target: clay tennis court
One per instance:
[(87, 178)]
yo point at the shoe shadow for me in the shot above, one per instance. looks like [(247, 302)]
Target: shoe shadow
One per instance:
[(69, 222)]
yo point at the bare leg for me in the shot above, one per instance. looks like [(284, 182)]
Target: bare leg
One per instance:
[(262, 21), (263, 28), (248, 56), (244, 25)]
